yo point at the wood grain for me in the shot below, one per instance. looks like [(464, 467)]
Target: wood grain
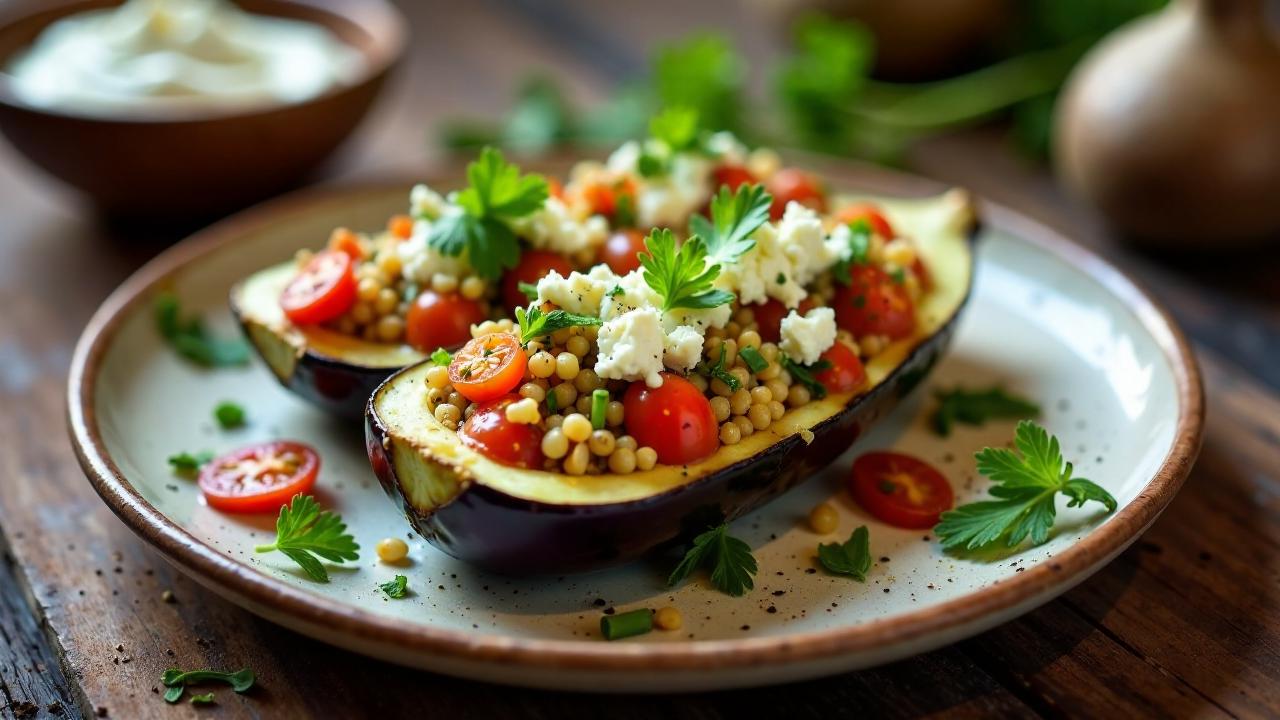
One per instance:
[(1185, 623)]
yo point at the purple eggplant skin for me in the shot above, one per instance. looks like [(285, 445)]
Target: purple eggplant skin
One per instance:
[(541, 539)]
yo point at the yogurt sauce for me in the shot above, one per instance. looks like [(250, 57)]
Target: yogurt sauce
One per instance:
[(180, 54)]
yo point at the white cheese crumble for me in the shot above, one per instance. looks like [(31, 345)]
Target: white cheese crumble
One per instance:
[(805, 338), (555, 227), (420, 261), (786, 257), (425, 202), (682, 348), (579, 293), (631, 346)]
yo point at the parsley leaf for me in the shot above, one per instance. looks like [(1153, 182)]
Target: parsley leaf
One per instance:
[(859, 247), (734, 216), (205, 699), (176, 681), (704, 74), (732, 564), (185, 463), (303, 531), (852, 558), (397, 588), (229, 415), (719, 372), (497, 193), (191, 340), (975, 407), (677, 127), (803, 374), (529, 290), (681, 276), (1025, 488), (535, 324), (441, 357)]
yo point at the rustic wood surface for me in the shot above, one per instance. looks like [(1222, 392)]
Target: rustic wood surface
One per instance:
[(1187, 622)]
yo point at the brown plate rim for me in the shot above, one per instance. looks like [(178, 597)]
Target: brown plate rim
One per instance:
[(359, 626)]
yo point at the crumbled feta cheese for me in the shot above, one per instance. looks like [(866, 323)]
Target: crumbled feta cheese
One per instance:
[(579, 293), (801, 236), (631, 347), (683, 348), (805, 338), (425, 202), (555, 227), (669, 200), (624, 159), (727, 148), (420, 261), (627, 293), (787, 255)]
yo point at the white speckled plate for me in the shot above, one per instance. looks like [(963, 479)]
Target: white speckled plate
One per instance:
[(1047, 319)]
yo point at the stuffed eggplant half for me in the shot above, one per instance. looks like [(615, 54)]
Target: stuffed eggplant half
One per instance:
[(623, 409)]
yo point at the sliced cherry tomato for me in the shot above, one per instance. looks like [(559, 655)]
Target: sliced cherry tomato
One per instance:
[(874, 304), (870, 213), (489, 431), (259, 478), (731, 176), (900, 490), (792, 185), (621, 252), (438, 320), (534, 265), (400, 227), (343, 240), (488, 367), (676, 420), (322, 291), (769, 317), (846, 373)]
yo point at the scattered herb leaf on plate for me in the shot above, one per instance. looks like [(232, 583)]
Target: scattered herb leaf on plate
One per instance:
[(731, 561), (304, 531), (975, 407), (851, 558)]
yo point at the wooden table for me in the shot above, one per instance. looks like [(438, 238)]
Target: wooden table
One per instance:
[(1186, 622)]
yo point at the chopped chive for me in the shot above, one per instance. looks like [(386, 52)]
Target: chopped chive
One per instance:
[(599, 403), (552, 406), (628, 624), (753, 359)]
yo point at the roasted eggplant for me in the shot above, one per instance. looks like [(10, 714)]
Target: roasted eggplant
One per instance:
[(336, 372), (518, 521)]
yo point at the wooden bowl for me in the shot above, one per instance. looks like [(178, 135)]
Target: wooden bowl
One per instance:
[(181, 163)]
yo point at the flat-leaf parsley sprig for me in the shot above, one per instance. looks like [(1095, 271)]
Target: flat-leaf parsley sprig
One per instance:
[(975, 407), (497, 194), (732, 564), (734, 217), (681, 276), (304, 531), (535, 324), (176, 681), (851, 558), (1026, 486)]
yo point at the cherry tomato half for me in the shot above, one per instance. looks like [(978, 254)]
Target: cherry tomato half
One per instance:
[(871, 214), (488, 367), (534, 265), (259, 478), (676, 420), (769, 317), (874, 304), (846, 373), (490, 432), (322, 291), (621, 252), (792, 185), (438, 320), (731, 176), (900, 490)]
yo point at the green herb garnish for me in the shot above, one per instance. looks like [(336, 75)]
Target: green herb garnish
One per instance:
[(1025, 488), (176, 681), (859, 247), (734, 217), (681, 276), (530, 290), (732, 564), (673, 130), (852, 558), (441, 357), (303, 531), (185, 463), (804, 374), (205, 699), (754, 360), (191, 340), (496, 195), (535, 324), (975, 407), (615, 291), (229, 415), (599, 404), (627, 624), (719, 372), (552, 404), (396, 588)]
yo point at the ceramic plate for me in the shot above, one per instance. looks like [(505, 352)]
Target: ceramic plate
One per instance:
[(1046, 319)]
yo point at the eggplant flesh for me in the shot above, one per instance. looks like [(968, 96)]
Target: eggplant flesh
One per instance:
[(335, 372), (516, 521)]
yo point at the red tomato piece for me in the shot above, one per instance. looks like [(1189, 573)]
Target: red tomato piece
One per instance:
[(488, 367), (400, 227), (676, 420), (731, 176), (260, 477), (322, 291), (793, 185), (603, 198), (534, 265), (343, 240), (490, 432), (769, 317), (871, 214), (874, 304), (900, 490), (621, 252), (846, 373), (438, 320), (555, 188)]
